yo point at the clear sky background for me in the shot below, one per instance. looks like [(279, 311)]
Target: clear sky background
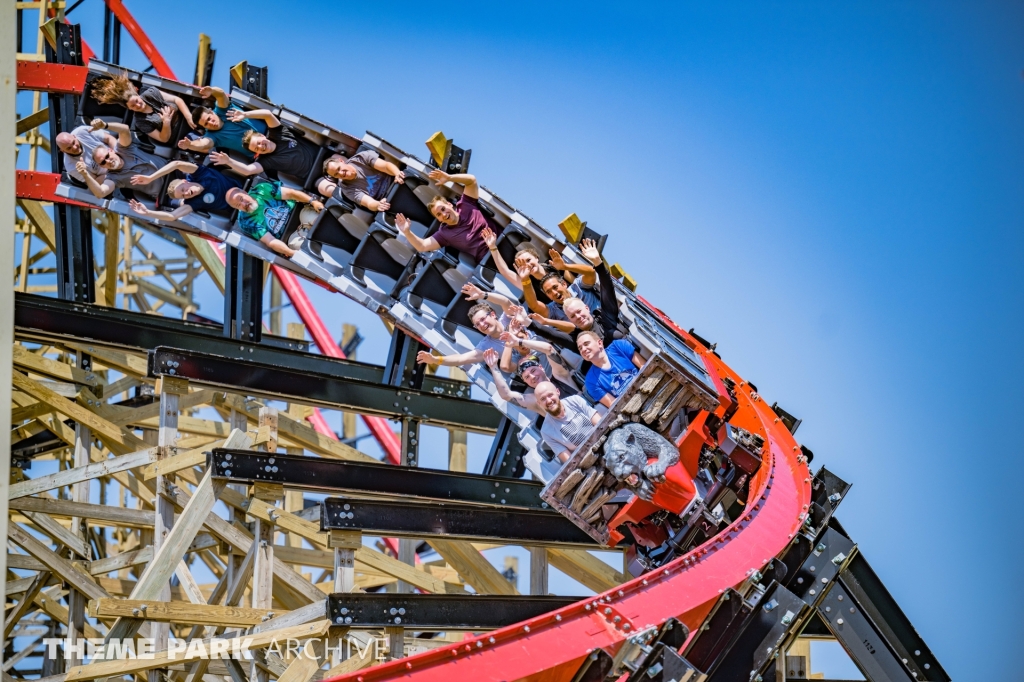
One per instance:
[(832, 193)]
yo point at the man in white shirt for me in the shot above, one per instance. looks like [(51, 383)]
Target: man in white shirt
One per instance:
[(567, 423)]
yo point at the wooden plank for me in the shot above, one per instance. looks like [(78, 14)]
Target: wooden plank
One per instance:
[(299, 433), (29, 361), (585, 568), (44, 225), (191, 519), (162, 659), (48, 602), (76, 577), (117, 439), (59, 533), (35, 486), (136, 557), (127, 416), (242, 541), (117, 516), (123, 361), (179, 612), (474, 568), (238, 440), (300, 669), (32, 121), (208, 256), (188, 583)]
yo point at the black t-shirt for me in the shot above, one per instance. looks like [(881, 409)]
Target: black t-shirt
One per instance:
[(151, 122), (293, 155)]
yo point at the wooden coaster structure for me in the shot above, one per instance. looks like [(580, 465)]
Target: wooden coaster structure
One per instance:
[(138, 439)]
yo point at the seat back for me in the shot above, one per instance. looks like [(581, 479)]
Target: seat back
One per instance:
[(330, 228)]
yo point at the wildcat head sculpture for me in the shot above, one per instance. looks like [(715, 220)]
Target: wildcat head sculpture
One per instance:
[(626, 454)]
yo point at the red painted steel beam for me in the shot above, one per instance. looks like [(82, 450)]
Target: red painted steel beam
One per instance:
[(546, 647), (141, 39), (40, 186), (62, 79)]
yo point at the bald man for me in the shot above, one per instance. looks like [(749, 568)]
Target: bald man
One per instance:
[(568, 421), (79, 145)]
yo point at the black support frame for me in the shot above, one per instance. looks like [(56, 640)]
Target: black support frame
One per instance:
[(438, 612)]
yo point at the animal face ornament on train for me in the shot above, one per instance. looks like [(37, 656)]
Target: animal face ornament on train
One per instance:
[(628, 453)]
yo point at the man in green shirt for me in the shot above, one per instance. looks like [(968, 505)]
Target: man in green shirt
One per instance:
[(263, 212)]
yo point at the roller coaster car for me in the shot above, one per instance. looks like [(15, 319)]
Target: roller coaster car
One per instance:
[(662, 470)]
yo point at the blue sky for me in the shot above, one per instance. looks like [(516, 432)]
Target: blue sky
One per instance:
[(833, 193)]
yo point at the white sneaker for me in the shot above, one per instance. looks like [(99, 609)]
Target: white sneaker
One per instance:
[(298, 238)]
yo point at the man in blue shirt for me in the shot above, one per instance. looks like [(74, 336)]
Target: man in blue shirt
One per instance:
[(613, 368), (203, 189), (222, 131)]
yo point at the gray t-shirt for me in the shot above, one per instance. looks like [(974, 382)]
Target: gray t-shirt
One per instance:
[(137, 162), (90, 139), (569, 432), (369, 182), (588, 295)]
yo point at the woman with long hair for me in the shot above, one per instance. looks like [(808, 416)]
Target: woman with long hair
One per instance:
[(154, 108)]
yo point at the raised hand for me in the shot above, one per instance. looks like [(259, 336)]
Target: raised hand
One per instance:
[(220, 158), (488, 236), (98, 124), (472, 292), (235, 115), (556, 260), (141, 180), (439, 177), (523, 268), (426, 358), (205, 91), (508, 338), (81, 167), (166, 114), (589, 250), (138, 207), (538, 318), (491, 358), (400, 177), (184, 143), (402, 223)]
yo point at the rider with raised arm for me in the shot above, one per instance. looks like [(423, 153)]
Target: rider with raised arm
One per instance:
[(263, 212), (612, 368), (364, 179), (155, 110), (222, 131), (532, 372), (567, 422), (79, 145), (280, 149), (121, 166), (202, 189), (462, 225)]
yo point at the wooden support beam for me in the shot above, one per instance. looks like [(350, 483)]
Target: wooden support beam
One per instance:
[(32, 121), (585, 568), (538, 571), (58, 565), (179, 612), (39, 218), (38, 364), (242, 541), (163, 659), (238, 440), (474, 568), (95, 512), (60, 479), (117, 439)]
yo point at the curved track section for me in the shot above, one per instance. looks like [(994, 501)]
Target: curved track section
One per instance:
[(552, 646)]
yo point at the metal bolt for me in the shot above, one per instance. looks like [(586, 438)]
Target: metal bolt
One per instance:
[(820, 548), (348, 619), (840, 621), (401, 612), (398, 619), (558, 618)]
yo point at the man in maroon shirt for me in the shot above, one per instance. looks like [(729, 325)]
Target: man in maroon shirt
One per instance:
[(461, 224)]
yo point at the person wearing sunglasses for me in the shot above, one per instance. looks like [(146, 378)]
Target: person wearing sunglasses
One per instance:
[(532, 373), (118, 168)]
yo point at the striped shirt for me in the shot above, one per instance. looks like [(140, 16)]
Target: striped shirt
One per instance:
[(569, 432)]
